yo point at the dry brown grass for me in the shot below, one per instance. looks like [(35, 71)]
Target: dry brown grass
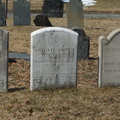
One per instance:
[(105, 5), (86, 102)]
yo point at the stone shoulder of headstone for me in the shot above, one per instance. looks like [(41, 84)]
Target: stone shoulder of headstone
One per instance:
[(83, 44), (41, 20), (109, 59)]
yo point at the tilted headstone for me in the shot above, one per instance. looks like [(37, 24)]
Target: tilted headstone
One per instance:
[(2, 14), (53, 58), (109, 59), (53, 8), (3, 60), (83, 44), (74, 10), (21, 12), (41, 20)]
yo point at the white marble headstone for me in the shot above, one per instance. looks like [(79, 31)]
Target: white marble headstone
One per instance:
[(3, 60), (53, 58), (109, 60)]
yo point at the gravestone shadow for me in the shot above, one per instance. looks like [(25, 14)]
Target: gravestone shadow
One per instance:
[(16, 89)]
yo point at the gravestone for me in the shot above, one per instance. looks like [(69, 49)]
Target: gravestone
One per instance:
[(109, 60), (74, 10), (41, 20), (53, 8), (21, 12), (53, 58), (2, 14), (83, 44), (3, 60)]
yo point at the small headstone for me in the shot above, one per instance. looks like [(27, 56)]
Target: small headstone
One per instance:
[(53, 58), (74, 10), (41, 20), (83, 44), (2, 14), (53, 8), (109, 60), (3, 60), (21, 12)]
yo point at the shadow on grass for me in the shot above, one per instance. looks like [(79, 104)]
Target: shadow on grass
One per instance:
[(91, 58), (16, 89)]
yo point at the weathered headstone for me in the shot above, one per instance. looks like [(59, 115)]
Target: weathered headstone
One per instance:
[(21, 12), (109, 60), (83, 44), (53, 58), (2, 14), (3, 60), (41, 20), (74, 10), (53, 8)]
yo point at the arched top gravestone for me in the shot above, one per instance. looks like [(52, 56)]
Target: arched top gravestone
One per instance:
[(3, 60), (53, 58), (109, 60)]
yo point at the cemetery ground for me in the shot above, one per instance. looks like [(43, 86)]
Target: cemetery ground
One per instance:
[(86, 102)]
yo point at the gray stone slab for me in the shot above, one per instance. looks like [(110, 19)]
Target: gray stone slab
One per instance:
[(83, 44), (3, 60), (2, 14), (109, 60), (23, 56), (53, 58), (21, 12), (74, 10), (53, 8)]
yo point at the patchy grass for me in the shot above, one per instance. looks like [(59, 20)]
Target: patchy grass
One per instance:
[(86, 102)]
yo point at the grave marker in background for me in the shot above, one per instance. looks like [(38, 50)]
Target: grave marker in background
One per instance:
[(109, 60), (83, 44), (53, 8), (2, 14), (21, 12), (53, 58), (3, 60), (74, 10)]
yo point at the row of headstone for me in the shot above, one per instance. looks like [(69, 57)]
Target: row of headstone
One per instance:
[(53, 60), (54, 52), (51, 8), (21, 13)]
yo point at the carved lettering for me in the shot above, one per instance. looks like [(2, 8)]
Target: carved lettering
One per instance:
[(112, 49)]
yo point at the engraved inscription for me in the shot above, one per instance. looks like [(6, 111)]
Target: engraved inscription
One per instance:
[(54, 55), (112, 49)]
